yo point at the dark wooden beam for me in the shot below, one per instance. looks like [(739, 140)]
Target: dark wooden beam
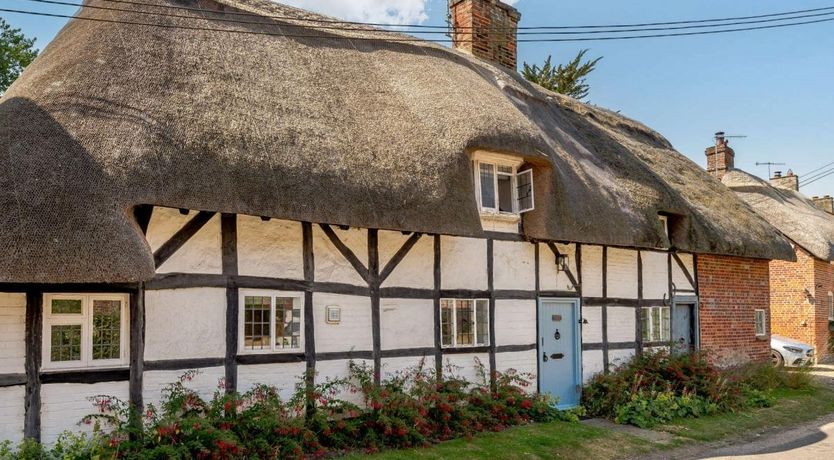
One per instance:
[(309, 315), (137, 348), (576, 286), (228, 226), (491, 287), (181, 237), (346, 252), (86, 376), (12, 380), (537, 261), (32, 364), (684, 270), (604, 310), (272, 358), (399, 256), (183, 364), (516, 348), (438, 352), (374, 282), (638, 324)]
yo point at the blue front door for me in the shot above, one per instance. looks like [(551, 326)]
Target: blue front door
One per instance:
[(559, 351)]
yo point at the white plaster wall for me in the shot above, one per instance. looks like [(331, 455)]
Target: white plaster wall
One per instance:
[(592, 330), (463, 263), (416, 270), (399, 367), (200, 254), (524, 362), (622, 273), (272, 249), (592, 364), (205, 383), (464, 365), (331, 266), (406, 323), (621, 324), (283, 376), (12, 333), (591, 271), (515, 322), (63, 405), (620, 357), (185, 323), (339, 369), (677, 274), (352, 333), (655, 275), (11, 413), (552, 279), (514, 265)]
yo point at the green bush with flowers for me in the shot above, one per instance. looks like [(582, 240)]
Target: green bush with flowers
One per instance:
[(414, 407)]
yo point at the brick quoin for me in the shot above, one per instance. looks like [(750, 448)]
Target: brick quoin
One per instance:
[(730, 289)]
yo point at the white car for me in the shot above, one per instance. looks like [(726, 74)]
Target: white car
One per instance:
[(790, 352)]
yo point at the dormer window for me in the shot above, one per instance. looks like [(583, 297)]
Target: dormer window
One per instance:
[(501, 188)]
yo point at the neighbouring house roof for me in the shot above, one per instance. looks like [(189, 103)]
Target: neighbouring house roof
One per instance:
[(791, 212), (321, 125)]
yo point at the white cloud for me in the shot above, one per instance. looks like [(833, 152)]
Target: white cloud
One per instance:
[(381, 11), (510, 2)]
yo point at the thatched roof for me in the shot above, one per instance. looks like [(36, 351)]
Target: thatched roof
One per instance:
[(368, 133), (791, 212)]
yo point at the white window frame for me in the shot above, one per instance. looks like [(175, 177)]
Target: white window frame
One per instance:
[(298, 299), (495, 160), (651, 311), (830, 306), (757, 313), (85, 320), (454, 323)]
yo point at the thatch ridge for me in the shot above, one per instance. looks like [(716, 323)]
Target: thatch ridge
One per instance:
[(366, 133), (794, 214)]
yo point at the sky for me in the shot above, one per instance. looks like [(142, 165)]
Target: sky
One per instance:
[(773, 86)]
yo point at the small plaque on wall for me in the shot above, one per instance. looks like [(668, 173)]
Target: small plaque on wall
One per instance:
[(333, 314)]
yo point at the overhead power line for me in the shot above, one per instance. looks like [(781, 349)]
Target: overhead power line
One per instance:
[(816, 177), (803, 184), (443, 32), (815, 170), (446, 26), (407, 39)]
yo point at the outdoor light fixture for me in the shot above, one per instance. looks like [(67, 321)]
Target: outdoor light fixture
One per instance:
[(561, 263)]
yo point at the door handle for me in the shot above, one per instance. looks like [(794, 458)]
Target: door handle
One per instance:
[(544, 357)]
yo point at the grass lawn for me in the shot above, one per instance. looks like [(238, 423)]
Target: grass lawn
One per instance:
[(578, 441), (792, 406)]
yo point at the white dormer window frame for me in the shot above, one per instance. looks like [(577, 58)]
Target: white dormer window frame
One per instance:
[(498, 168)]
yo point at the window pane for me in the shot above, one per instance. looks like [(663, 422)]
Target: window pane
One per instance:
[(287, 323), (665, 323), (487, 186), (505, 169), (524, 190), (482, 321), (65, 343), (645, 317), (505, 193), (446, 323), (256, 323), (464, 315), (66, 306), (107, 329)]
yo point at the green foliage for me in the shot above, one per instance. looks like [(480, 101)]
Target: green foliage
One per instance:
[(568, 79), (16, 53), (412, 408), (657, 387)]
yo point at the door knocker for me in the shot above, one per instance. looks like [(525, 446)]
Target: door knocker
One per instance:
[(557, 335)]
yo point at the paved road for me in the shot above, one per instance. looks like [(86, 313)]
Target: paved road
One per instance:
[(809, 441)]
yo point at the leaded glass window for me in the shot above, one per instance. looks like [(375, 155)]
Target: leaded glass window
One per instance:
[(84, 330), (271, 323), (107, 329), (502, 189), (65, 343), (67, 306), (657, 323), (464, 322), (487, 185)]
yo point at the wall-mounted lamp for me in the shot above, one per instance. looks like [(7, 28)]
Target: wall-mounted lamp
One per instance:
[(561, 263)]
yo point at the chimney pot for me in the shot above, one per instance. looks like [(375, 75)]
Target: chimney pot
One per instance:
[(486, 29), (790, 181), (777, 174), (825, 203)]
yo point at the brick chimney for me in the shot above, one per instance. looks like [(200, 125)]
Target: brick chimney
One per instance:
[(486, 29), (720, 158), (789, 181), (826, 203)]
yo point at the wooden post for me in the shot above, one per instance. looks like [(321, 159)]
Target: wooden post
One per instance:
[(34, 330)]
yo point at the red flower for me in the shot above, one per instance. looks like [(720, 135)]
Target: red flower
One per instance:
[(526, 404)]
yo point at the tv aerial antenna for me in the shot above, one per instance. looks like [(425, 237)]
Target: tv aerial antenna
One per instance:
[(768, 164)]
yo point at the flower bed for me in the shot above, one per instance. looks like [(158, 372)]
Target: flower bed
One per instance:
[(413, 408)]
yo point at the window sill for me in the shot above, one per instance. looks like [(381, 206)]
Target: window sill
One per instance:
[(501, 216), (762, 337)]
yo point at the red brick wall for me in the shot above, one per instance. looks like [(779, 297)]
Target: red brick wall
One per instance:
[(486, 29), (798, 306), (730, 289)]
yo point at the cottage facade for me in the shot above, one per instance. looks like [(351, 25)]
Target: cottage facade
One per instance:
[(354, 195), (801, 291)]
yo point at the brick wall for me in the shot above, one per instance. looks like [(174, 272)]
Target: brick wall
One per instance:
[(824, 283), (486, 29), (731, 288)]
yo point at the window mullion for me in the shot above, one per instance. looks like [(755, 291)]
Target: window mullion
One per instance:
[(454, 323), (474, 323), (495, 193), (273, 302)]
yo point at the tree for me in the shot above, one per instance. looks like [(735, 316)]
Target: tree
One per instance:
[(568, 79), (16, 52)]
